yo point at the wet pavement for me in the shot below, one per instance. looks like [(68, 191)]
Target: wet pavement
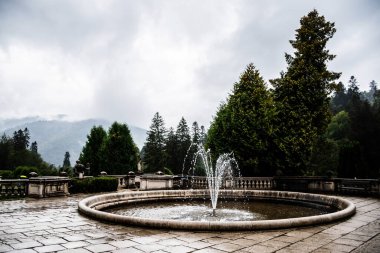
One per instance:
[(54, 225)]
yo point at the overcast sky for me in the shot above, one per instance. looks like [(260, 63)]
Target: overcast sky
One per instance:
[(126, 60)]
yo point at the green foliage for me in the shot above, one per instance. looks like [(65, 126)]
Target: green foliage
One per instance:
[(21, 139), (167, 171), (6, 174), (183, 144), (324, 158), (120, 152), (14, 152), (172, 151), (154, 149), (115, 151), (6, 153), (34, 147), (356, 130), (66, 160), (24, 171), (301, 93), (244, 125), (339, 127), (92, 152), (93, 184)]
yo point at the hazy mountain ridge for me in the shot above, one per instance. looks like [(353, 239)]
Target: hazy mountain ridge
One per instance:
[(55, 137)]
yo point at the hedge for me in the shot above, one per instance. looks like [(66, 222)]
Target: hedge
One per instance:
[(93, 184), (6, 174)]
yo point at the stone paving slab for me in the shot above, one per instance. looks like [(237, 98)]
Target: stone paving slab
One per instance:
[(54, 225)]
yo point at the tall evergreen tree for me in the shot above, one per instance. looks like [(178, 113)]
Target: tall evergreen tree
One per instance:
[(6, 151), (34, 147), (66, 160), (92, 152), (120, 151), (171, 151), (203, 135), (370, 95), (21, 139), (244, 125), (340, 100), (195, 133), (184, 142), (154, 151), (302, 92)]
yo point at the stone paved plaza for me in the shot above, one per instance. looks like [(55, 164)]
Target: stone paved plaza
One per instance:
[(54, 225)]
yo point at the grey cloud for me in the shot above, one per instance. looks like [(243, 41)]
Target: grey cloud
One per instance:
[(180, 58)]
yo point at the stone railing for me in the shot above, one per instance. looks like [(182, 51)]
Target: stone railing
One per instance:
[(39, 187), (326, 184), (366, 186), (13, 188), (47, 186), (254, 183), (156, 182)]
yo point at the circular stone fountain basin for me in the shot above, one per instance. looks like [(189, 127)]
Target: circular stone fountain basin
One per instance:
[(97, 206), (228, 210)]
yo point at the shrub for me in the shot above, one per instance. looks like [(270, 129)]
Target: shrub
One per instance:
[(6, 174), (24, 171), (167, 171), (93, 184)]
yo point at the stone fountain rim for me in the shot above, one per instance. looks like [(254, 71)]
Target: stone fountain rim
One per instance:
[(92, 207)]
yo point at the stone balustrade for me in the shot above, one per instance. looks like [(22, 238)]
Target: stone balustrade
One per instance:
[(252, 183), (39, 187), (255, 183), (156, 182), (13, 188)]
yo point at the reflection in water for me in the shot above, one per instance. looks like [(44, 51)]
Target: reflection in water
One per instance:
[(198, 210)]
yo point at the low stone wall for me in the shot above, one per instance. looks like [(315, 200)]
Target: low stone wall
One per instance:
[(156, 182), (41, 187), (38, 187), (13, 188), (93, 206)]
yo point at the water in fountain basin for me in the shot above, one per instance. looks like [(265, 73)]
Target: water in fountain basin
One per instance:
[(225, 167)]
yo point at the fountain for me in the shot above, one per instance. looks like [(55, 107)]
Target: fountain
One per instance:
[(224, 168), (181, 209)]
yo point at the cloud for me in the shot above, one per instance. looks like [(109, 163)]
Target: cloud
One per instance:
[(125, 60)]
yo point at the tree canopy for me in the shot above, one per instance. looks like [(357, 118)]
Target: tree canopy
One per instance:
[(244, 125), (301, 94)]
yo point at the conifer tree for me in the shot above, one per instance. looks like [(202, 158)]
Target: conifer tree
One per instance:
[(92, 152), (154, 148), (302, 92), (184, 142), (34, 147), (66, 160), (120, 151), (244, 125), (171, 151)]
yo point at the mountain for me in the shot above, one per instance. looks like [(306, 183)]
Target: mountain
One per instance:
[(55, 137)]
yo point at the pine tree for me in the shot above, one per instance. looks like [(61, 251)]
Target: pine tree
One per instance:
[(154, 156), (92, 152), (6, 151), (171, 151), (120, 151), (184, 142), (34, 147), (21, 139), (66, 161), (203, 135), (302, 92), (244, 125)]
